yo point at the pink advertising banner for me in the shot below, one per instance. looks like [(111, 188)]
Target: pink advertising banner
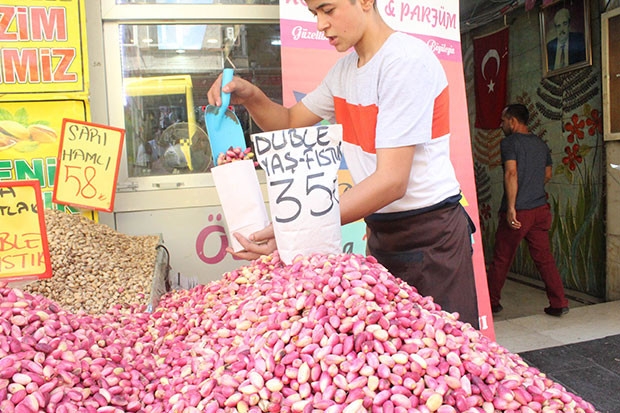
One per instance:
[(307, 56)]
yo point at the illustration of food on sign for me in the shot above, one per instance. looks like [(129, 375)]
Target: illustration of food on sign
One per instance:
[(22, 135)]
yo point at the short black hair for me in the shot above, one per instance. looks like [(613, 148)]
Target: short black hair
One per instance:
[(517, 111)]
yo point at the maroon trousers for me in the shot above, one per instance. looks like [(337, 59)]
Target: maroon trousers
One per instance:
[(535, 225)]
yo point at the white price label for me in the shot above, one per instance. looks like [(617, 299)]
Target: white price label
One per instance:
[(302, 173)]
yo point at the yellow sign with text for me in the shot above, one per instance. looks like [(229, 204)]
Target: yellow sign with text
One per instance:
[(24, 251), (42, 48), (87, 167), (29, 139)]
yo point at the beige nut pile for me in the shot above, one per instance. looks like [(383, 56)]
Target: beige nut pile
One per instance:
[(95, 267)]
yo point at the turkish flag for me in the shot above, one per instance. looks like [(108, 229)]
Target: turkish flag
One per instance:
[(529, 4), (491, 70)]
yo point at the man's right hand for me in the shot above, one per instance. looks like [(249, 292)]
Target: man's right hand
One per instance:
[(511, 218), (259, 243), (240, 91)]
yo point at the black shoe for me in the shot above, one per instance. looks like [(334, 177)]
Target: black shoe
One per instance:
[(556, 312), (496, 308)]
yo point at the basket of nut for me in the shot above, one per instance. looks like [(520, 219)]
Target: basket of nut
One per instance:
[(95, 267)]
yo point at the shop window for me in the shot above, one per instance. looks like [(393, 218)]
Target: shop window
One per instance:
[(167, 70)]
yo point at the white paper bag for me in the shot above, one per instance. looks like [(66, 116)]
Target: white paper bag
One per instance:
[(241, 198), (302, 181)]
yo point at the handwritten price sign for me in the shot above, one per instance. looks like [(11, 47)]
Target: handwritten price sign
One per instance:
[(87, 169), (302, 173), (24, 251)]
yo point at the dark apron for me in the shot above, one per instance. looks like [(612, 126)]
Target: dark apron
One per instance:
[(432, 252)]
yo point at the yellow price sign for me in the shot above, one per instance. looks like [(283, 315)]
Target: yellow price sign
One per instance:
[(24, 251), (87, 168)]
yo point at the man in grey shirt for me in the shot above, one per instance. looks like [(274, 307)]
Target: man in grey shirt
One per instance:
[(524, 212)]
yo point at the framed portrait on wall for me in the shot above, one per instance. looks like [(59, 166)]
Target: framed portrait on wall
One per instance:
[(565, 36)]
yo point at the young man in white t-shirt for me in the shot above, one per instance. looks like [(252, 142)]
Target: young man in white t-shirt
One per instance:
[(391, 96)]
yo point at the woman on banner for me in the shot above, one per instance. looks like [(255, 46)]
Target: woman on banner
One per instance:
[(391, 96)]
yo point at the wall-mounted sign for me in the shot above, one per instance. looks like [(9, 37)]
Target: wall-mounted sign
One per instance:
[(87, 167), (307, 56), (24, 251), (42, 47), (32, 154)]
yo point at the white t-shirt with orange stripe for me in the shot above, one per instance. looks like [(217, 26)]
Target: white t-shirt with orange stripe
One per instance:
[(399, 98)]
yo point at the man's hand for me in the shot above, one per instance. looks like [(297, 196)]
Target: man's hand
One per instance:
[(240, 91), (511, 218), (260, 243)]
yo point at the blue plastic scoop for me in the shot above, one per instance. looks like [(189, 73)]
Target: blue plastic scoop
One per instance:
[(223, 126)]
